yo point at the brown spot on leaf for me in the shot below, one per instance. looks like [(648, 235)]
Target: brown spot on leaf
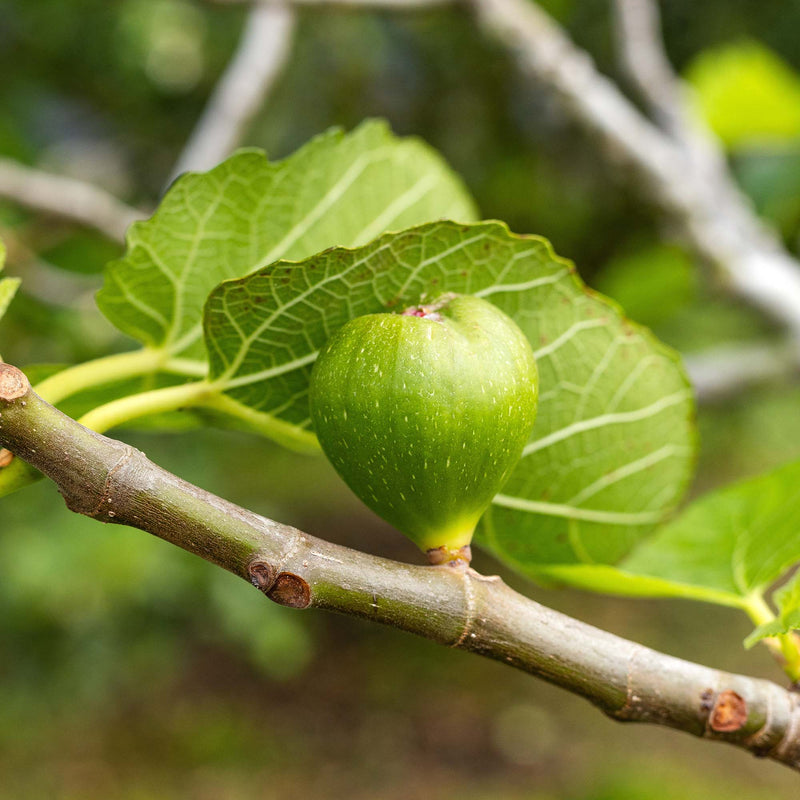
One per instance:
[(729, 712), (290, 590)]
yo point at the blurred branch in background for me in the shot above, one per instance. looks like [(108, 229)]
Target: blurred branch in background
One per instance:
[(644, 62), (67, 198), (643, 59), (674, 160), (699, 195), (262, 53), (388, 4), (677, 159), (721, 372), (43, 280)]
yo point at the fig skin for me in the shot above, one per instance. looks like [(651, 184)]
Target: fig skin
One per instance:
[(424, 414)]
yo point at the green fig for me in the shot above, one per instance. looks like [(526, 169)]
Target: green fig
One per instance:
[(424, 414)]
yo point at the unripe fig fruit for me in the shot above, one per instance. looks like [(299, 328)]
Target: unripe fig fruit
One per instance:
[(425, 413)]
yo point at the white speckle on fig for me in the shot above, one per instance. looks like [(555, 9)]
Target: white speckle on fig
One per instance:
[(392, 391)]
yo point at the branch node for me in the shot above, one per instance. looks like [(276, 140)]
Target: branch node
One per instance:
[(771, 733), (290, 590), (707, 701), (13, 383), (632, 700), (101, 510), (262, 575), (469, 597)]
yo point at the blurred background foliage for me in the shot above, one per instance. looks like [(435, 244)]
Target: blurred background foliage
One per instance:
[(130, 669)]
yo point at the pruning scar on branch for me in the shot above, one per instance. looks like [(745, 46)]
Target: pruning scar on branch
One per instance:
[(112, 482)]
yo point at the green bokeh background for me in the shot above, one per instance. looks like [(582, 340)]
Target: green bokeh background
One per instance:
[(129, 669)]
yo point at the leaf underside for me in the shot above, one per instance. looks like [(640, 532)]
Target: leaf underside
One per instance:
[(249, 212), (613, 444)]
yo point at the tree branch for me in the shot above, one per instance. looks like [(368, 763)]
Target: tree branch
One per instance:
[(67, 198), (262, 53), (395, 5), (716, 219), (725, 371), (699, 194), (678, 165), (644, 61), (112, 482)]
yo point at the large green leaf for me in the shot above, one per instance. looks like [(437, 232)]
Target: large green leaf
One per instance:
[(248, 212), (727, 547), (612, 447)]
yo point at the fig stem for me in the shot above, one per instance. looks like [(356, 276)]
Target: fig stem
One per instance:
[(455, 557)]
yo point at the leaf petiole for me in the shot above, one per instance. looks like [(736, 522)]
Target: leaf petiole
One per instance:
[(114, 368), (156, 401), (198, 394), (98, 372)]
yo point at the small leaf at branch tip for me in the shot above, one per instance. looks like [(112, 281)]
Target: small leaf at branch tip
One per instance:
[(290, 590), (13, 383)]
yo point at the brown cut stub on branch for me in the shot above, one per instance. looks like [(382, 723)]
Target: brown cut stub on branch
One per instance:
[(290, 590), (13, 383), (6, 457), (729, 712)]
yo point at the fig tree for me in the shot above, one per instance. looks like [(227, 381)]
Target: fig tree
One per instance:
[(425, 413)]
